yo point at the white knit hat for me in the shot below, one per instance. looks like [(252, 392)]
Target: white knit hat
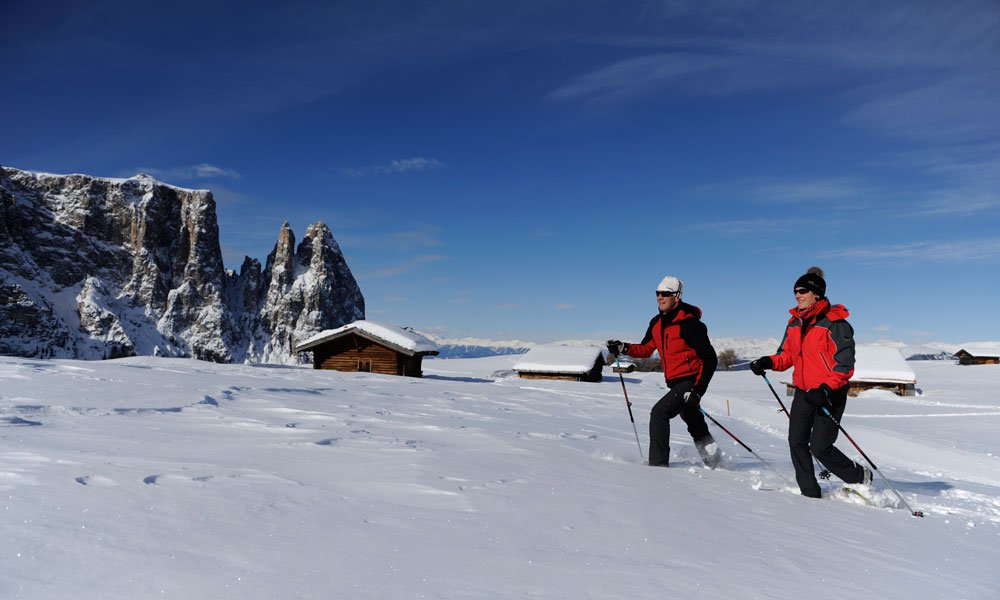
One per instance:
[(671, 284)]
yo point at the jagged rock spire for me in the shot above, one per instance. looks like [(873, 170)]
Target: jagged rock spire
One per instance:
[(143, 261)]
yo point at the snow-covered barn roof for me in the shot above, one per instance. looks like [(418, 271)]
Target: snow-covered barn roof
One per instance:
[(559, 359), (980, 349), (400, 339), (881, 363)]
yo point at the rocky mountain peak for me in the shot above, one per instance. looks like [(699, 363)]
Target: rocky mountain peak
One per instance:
[(94, 267)]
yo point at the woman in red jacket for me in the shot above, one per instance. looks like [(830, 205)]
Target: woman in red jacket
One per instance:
[(688, 360), (819, 343)]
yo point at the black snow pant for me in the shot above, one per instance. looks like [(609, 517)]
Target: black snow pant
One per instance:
[(668, 407), (812, 433)]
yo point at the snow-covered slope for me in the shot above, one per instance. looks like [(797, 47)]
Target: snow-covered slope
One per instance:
[(144, 477), (98, 268)]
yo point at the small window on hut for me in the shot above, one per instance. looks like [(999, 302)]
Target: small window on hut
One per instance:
[(365, 365)]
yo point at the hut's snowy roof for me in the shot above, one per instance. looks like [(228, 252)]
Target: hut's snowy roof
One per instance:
[(559, 359), (881, 363), (981, 349), (402, 339)]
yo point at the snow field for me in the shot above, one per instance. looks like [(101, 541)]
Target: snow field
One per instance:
[(176, 478)]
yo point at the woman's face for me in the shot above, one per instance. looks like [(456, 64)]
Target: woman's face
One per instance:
[(805, 298)]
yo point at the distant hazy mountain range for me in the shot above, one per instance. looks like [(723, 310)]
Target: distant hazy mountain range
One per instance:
[(746, 348)]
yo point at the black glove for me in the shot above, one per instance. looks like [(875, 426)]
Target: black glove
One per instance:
[(819, 397), (692, 398), (616, 347), (761, 364)]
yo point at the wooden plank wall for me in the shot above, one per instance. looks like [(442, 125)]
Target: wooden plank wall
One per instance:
[(410, 365), (594, 375), (560, 376), (978, 360), (343, 354)]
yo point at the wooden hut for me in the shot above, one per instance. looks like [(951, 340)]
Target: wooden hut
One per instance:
[(622, 367), (878, 368), (882, 368), (978, 355), (571, 363), (366, 346)]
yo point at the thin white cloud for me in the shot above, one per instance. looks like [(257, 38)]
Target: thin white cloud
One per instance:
[(562, 306), (811, 191), (846, 191), (744, 227), (412, 240), (921, 71), (971, 250), (191, 173), (632, 77), (422, 238), (960, 109), (958, 202), (394, 167), (403, 268), (972, 172)]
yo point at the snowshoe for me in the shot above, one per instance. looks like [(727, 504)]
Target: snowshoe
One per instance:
[(850, 494)]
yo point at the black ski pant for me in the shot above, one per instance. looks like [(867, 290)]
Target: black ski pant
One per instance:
[(668, 407), (812, 433)]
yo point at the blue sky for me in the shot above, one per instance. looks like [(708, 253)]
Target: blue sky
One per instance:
[(532, 169)]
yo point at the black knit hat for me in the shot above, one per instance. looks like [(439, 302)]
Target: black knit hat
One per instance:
[(812, 281)]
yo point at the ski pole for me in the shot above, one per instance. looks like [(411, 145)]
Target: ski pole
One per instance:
[(823, 473), (776, 397), (915, 513), (629, 406), (740, 442)]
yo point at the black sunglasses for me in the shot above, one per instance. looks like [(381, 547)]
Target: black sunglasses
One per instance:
[(665, 294), (801, 291)]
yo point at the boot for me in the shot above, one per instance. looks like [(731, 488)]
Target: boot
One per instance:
[(709, 451)]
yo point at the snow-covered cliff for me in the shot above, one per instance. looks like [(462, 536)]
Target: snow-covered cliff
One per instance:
[(99, 268)]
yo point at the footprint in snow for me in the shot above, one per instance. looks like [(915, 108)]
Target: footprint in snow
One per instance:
[(159, 479), (96, 480)]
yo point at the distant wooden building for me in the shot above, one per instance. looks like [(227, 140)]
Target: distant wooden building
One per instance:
[(622, 367), (976, 356), (878, 368), (366, 346), (562, 362)]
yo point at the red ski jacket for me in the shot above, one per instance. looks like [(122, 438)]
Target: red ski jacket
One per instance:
[(682, 341), (820, 345)]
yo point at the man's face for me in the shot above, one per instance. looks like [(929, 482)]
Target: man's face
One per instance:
[(667, 301)]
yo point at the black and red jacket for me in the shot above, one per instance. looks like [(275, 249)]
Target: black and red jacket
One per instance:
[(682, 341), (820, 345)]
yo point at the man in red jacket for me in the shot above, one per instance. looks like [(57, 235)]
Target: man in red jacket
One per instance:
[(688, 360)]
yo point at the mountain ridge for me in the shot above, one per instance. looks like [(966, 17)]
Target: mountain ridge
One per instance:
[(96, 267)]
